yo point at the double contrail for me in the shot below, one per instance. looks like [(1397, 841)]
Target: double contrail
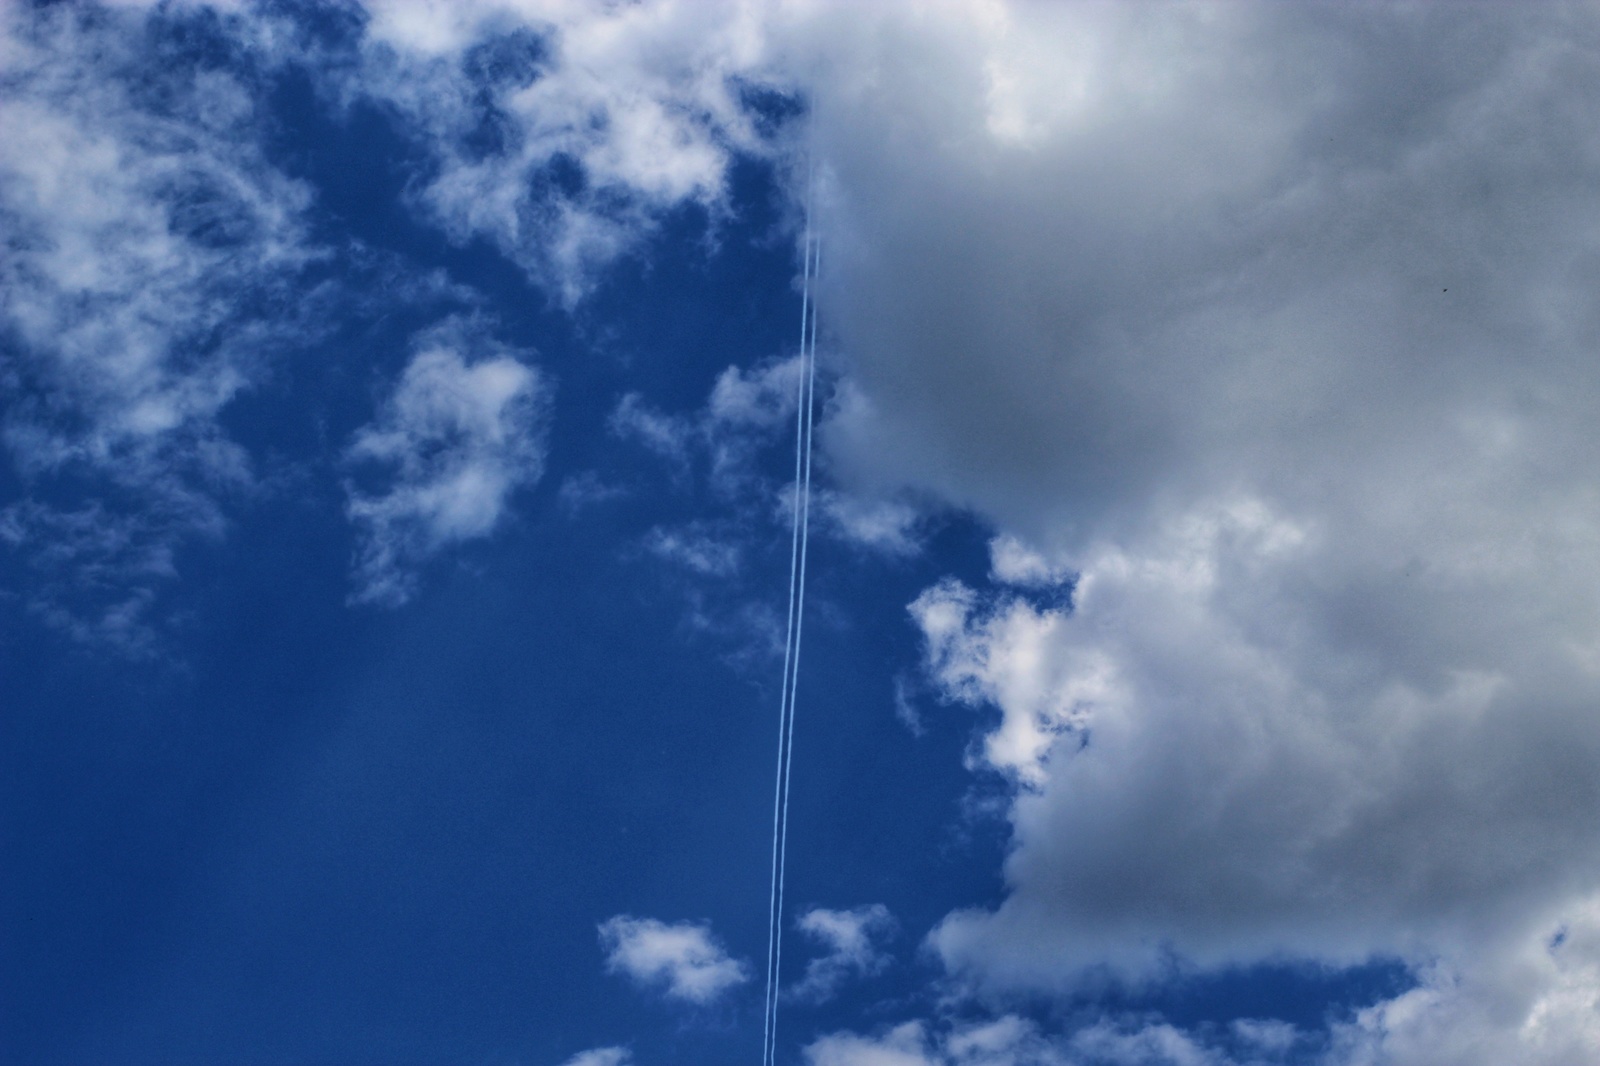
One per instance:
[(804, 419)]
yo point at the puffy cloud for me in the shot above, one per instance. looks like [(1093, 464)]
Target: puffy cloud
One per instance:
[(1535, 1000), (1225, 756), (459, 434), (1274, 325), (684, 961), (149, 250), (850, 941)]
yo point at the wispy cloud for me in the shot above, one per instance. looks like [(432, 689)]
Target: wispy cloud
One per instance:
[(463, 429), (683, 961), (150, 246)]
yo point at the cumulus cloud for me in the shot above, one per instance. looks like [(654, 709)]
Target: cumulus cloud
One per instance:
[(462, 431), (683, 961), (1265, 330), (850, 939), (150, 247)]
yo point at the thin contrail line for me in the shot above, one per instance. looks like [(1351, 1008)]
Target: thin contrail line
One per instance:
[(803, 504), (805, 386)]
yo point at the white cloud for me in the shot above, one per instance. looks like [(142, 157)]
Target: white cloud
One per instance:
[(668, 436), (849, 938), (456, 438), (683, 961), (886, 526), (562, 131), (601, 1056)]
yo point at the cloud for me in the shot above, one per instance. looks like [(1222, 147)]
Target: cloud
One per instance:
[(683, 961), (696, 549), (1263, 330), (459, 434), (150, 251), (562, 132), (1013, 1041), (601, 1056), (849, 938), (889, 527), (668, 436), (1011, 562), (1535, 1000)]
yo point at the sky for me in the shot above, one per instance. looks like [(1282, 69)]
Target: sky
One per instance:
[(1201, 659)]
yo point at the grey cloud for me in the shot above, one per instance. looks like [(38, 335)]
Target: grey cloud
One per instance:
[(1275, 325)]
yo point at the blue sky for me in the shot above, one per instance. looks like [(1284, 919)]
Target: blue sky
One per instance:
[(1201, 656)]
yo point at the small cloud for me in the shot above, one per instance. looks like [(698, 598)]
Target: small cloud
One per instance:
[(683, 961), (455, 439), (601, 1056), (905, 709), (585, 490), (762, 397), (886, 526), (849, 939), (694, 549), (1012, 562)]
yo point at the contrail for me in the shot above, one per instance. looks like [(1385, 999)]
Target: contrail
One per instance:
[(799, 538)]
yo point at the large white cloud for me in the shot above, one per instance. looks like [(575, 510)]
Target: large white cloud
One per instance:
[(1275, 323)]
